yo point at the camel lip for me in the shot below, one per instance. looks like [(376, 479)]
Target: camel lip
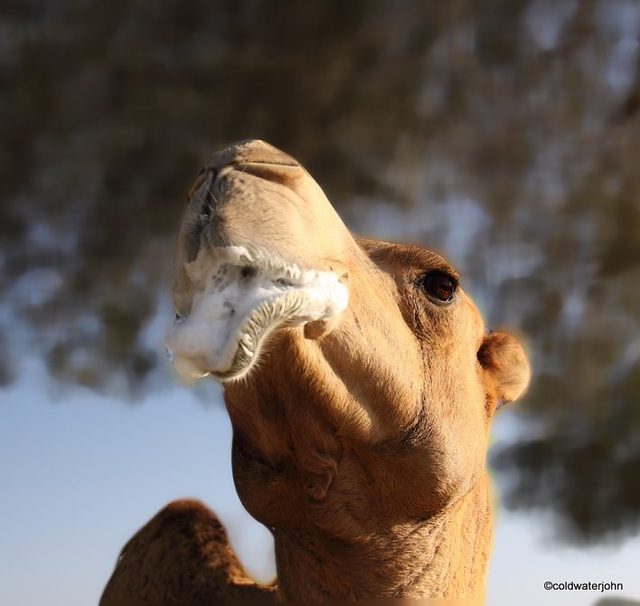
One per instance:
[(249, 340), (245, 296)]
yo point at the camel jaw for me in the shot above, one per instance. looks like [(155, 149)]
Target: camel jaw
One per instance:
[(243, 296)]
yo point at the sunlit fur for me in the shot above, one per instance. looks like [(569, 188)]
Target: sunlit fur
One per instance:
[(361, 441)]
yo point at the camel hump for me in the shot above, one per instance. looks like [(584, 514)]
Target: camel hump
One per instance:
[(181, 556)]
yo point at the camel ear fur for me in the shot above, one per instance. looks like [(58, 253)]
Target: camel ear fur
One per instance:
[(505, 363)]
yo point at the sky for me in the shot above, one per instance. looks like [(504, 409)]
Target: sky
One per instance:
[(80, 473)]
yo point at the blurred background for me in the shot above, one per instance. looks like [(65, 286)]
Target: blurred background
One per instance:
[(503, 133)]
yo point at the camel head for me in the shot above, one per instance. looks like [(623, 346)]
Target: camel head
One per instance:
[(358, 375)]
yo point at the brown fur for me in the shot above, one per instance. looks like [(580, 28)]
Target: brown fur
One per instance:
[(360, 442), (182, 556)]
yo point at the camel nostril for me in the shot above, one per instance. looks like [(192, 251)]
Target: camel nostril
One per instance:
[(169, 354), (247, 272)]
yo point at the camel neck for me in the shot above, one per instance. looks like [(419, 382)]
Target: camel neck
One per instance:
[(444, 556)]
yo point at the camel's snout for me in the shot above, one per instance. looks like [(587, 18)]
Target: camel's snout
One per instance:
[(251, 151), (262, 248)]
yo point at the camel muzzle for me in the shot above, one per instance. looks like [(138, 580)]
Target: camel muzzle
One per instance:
[(264, 250)]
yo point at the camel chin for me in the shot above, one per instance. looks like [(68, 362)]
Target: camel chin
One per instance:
[(243, 296)]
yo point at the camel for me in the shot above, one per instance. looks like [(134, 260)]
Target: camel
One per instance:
[(360, 381)]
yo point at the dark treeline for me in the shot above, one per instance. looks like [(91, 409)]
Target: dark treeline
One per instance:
[(505, 133)]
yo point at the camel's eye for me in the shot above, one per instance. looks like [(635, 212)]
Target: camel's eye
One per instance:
[(438, 286)]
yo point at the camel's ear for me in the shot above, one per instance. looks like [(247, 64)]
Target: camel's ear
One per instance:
[(506, 364)]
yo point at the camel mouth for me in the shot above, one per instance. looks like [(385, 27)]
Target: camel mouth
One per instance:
[(245, 296)]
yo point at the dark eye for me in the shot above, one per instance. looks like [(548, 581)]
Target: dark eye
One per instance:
[(438, 286)]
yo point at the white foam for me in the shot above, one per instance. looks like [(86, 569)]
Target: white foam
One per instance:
[(236, 283)]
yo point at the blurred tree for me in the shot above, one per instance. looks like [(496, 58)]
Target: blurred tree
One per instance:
[(503, 132)]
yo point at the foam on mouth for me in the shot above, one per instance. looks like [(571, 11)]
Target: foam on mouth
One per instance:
[(245, 296)]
